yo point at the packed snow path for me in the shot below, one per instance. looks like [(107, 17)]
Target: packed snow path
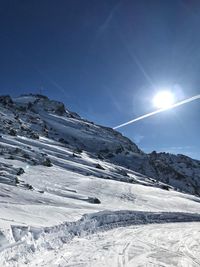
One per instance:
[(166, 245), (139, 244)]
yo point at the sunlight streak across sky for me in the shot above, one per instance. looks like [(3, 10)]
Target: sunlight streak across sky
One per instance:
[(158, 111)]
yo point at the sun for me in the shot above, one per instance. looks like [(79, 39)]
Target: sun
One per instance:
[(163, 99)]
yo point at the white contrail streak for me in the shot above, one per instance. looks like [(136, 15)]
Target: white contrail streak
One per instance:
[(159, 110)]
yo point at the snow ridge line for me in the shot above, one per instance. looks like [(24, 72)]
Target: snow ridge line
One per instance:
[(29, 240), (90, 223)]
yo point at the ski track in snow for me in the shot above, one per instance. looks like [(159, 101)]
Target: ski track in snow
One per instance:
[(30, 241), (147, 245)]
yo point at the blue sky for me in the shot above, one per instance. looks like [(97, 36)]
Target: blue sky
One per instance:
[(106, 60)]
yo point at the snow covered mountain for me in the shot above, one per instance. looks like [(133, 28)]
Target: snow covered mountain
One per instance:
[(179, 171), (66, 182), (35, 116)]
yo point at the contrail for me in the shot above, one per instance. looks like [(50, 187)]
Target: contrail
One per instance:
[(159, 110)]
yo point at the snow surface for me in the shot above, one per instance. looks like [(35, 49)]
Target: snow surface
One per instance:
[(145, 245), (65, 206)]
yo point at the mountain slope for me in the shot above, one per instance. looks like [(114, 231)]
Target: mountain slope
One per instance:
[(62, 178), (35, 116)]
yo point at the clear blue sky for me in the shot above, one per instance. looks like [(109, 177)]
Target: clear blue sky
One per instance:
[(105, 59)]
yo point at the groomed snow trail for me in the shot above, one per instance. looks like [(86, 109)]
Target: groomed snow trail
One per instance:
[(141, 243), (165, 245)]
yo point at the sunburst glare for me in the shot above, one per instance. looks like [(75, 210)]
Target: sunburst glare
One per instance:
[(164, 99)]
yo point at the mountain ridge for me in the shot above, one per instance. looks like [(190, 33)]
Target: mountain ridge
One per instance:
[(36, 115)]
